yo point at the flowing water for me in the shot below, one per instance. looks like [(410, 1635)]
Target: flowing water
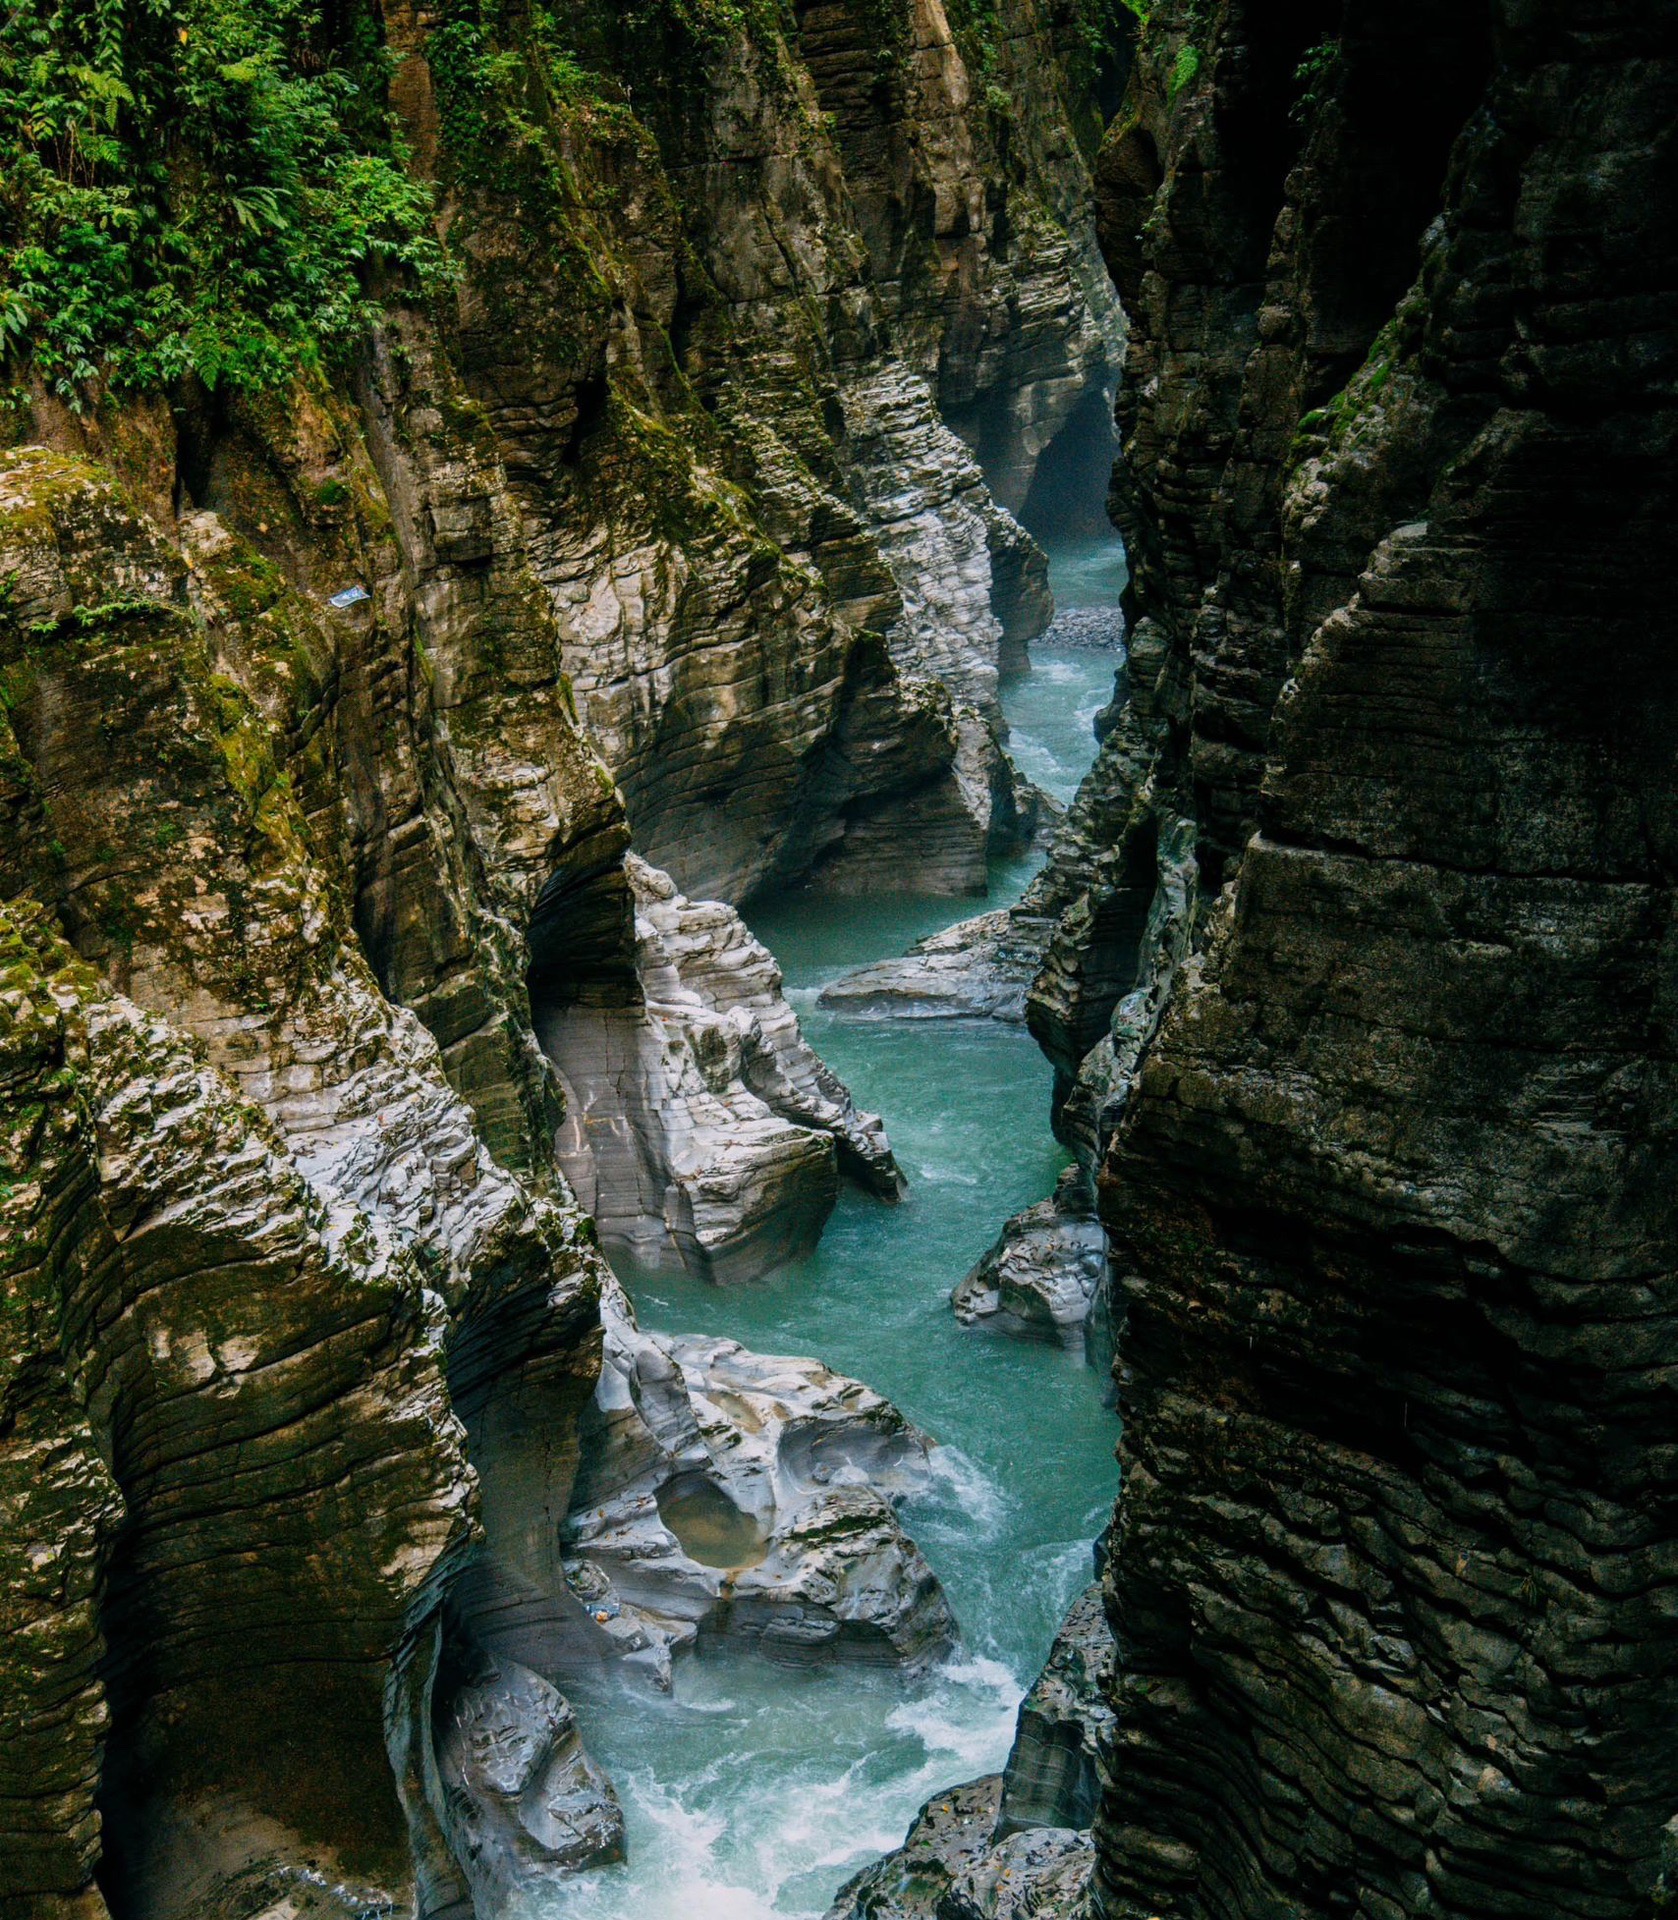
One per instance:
[(1087, 571), (756, 1790)]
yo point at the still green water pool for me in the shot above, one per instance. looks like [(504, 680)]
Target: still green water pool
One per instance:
[(755, 1791)]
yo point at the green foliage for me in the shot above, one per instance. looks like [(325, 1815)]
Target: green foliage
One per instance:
[(1101, 50), (499, 91), (203, 186), (1311, 76), (1186, 70), (707, 24), (974, 23)]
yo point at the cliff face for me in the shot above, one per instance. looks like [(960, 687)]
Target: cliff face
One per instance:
[(784, 590), (1390, 1200), (269, 1273), (328, 711)]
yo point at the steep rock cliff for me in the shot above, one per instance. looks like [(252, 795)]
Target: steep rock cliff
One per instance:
[(1390, 1199), (303, 835), (278, 1098), (766, 549)]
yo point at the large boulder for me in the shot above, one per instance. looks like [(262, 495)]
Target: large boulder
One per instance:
[(728, 1493)]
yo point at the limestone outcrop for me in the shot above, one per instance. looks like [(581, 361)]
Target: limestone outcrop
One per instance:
[(950, 1835), (182, 1306), (524, 1806), (1388, 1190), (700, 1129), (318, 1289), (331, 698), (1053, 1776), (728, 1493), (325, 836), (978, 969), (766, 549), (304, 835), (1046, 1276)]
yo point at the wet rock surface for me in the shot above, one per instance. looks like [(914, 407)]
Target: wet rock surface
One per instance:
[(1043, 1874), (700, 1129), (1053, 1776), (1013, 1844), (977, 969), (727, 1493), (327, 713), (953, 1867), (950, 1834), (523, 1804), (1047, 1273)]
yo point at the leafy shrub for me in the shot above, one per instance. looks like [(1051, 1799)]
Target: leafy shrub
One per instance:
[(1312, 77), (204, 186), (1186, 70)]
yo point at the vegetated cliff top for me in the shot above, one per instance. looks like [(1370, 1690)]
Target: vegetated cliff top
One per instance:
[(230, 189)]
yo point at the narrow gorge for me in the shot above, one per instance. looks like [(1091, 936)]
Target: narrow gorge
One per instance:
[(838, 983)]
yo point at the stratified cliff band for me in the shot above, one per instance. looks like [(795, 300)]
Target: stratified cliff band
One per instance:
[(1391, 1196), (332, 690)]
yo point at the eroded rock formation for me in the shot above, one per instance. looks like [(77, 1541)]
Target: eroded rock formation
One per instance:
[(1047, 1274), (728, 1493), (289, 1281), (1013, 1845), (314, 700), (1390, 1192), (784, 588), (700, 1130)]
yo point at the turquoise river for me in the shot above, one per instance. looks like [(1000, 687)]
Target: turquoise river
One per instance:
[(755, 1790)]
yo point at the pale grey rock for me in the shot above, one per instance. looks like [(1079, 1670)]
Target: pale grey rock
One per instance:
[(929, 509), (731, 1493), (700, 1128), (1046, 1271), (979, 968), (737, 977), (523, 1805), (1086, 629)]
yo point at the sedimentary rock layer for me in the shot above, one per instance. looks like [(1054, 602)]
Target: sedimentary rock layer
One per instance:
[(732, 1494), (700, 1130), (316, 1274), (1015, 1844), (299, 822), (766, 549), (1390, 1201)]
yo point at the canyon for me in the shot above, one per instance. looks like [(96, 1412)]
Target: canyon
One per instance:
[(624, 990)]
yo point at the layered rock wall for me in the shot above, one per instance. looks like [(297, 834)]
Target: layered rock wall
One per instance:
[(1390, 1196), (316, 1271), (328, 710), (766, 549)]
